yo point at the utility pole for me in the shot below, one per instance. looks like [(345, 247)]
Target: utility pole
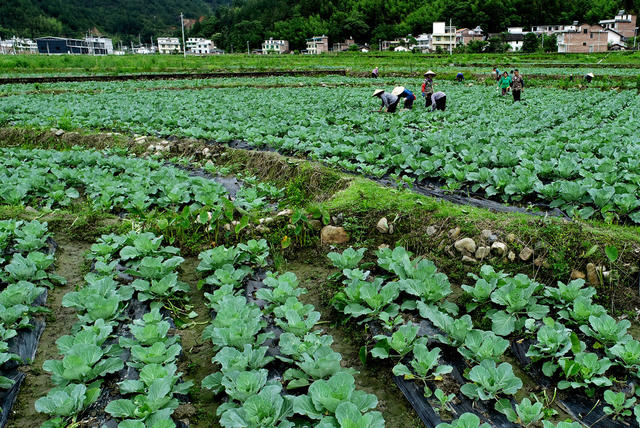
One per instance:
[(450, 45), (184, 46), (248, 52)]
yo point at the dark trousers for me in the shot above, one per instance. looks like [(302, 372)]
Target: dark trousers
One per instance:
[(441, 104), (516, 95), (392, 107), (408, 103), (428, 99)]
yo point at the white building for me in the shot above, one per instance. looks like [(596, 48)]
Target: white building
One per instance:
[(168, 45), (101, 42), (317, 45), (275, 46), (443, 37), (552, 29), (200, 46), (515, 38), (17, 45), (423, 43)]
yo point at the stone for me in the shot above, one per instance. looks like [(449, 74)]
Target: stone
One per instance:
[(511, 256), (467, 259), (262, 229), (59, 133), (499, 248), (381, 246), (465, 245), (333, 235), (576, 274), (592, 275), (227, 227), (284, 213), (454, 233), (486, 233), (526, 254), (511, 237), (383, 225), (482, 252), (431, 231)]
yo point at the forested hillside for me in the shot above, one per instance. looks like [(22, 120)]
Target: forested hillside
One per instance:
[(126, 18), (371, 20), (234, 22)]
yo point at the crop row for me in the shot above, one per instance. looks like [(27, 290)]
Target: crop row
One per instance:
[(565, 339), (26, 259), (572, 150), (269, 349), (120, 320), (112, 182)]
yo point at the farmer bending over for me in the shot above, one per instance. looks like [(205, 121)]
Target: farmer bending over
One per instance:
[(402, 92), (439, 101), (389, 101)]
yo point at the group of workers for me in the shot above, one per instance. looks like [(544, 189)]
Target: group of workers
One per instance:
[(510, 83), (390, 100), (507, 83)]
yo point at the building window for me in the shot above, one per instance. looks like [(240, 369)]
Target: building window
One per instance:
[(584, 43), (591, 35), (585, 31)]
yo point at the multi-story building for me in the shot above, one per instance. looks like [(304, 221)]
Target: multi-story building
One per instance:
[(199, 46), (275, 46), (423, 43), (584, 39), (168, 45), (465, 35), (317, 45), (624, 24), (17, 45), (444, 36), (342, 47), (60, 45), (101, 43)]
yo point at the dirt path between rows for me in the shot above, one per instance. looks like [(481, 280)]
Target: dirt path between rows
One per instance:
[(69, 264)]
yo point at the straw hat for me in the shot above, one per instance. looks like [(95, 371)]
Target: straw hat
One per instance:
[(397, 90), (430, 73), (591, 75), (377, 92)]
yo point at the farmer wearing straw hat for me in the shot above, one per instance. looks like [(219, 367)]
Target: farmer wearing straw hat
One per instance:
[(427, 87), (389, 101), (402, 92), (588, 77)]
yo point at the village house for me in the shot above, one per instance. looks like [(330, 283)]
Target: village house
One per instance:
[(585, 38), (317, 45), (342, 47), (168, 45), (272, 46)]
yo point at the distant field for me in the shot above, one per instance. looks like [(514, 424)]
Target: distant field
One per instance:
[(355, 62)]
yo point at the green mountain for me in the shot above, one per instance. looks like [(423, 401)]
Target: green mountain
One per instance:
[(124, 18), (373, 20)]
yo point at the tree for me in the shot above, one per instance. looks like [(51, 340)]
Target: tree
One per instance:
[(477, 46), (497, 44), (530, 43), (550, 43)]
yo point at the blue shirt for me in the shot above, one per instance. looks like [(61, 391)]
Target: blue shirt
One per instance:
[(408, 95)]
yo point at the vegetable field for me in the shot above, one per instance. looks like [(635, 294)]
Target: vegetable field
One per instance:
[(229, 253), (575, 150)]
